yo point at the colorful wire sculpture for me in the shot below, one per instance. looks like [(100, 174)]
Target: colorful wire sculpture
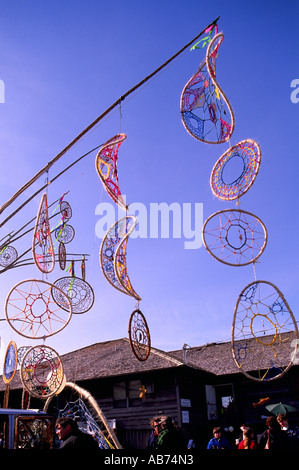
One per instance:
[(10, 362), (263, 332), (113, 253), (42, 246), (234, 237), (31, 311), (42, 372), (206, 112), (78, 293), (228, 187), (106, 166), (8, 255), (139, 335)]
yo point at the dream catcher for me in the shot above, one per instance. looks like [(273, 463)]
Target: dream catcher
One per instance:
[(139, 335), (42, 372), (264, 332), (9, 369), (31, 311), (91, 419), (234, 237), (8, 255), (206, 113), (42, 246), (113, 253), (65, 233), (246, 158), (106, 166), (77, 291)]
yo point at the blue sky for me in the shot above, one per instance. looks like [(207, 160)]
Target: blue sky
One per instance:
[(63, 64)]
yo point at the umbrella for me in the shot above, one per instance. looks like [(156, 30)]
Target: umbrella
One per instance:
[(277, 408)]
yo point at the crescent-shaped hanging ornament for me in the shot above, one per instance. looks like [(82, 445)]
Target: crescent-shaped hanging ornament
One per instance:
[(117, 233), (10, 362), (42, 246), (106, 166), (246, 156), (206, 112), (264, 333), (120, 269)]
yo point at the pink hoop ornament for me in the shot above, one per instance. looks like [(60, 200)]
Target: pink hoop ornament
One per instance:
[(227, 186)]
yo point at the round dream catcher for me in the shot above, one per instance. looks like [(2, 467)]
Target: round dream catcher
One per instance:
[(77, 291), (236, 170), (31, 311), (139, 335), (234, 237), (8, 255), (42, 372), (10, 362), (264, 332), (65, 210), (65, 233)]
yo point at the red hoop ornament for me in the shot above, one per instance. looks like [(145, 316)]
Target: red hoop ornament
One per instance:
[(234, 237), (206, 112), (42, 246), (228, 188), (10, 362), (139, 335), (42, 372), (31, 311), (113, 255), (264, 332), (106, 166)]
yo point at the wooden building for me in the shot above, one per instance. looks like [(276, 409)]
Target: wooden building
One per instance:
[(198, 387)]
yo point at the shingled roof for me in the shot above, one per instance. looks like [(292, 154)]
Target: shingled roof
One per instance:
[(115, 358)]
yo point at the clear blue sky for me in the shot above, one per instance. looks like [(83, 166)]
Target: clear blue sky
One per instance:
[(63, 64)]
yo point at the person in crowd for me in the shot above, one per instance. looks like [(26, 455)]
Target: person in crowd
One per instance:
[(156, 427), (272, 437), (170, 438), (248, 441), (218, 441), (71, 437), (290, 434)]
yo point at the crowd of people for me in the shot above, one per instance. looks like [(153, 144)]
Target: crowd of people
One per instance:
[(166, 437), (277, 435)]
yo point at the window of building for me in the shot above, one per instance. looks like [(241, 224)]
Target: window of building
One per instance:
[(129, 393)]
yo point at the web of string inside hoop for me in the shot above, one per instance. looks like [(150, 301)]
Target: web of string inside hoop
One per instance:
[(239, 238), (249, 153), (263, 332), (205, 113)]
